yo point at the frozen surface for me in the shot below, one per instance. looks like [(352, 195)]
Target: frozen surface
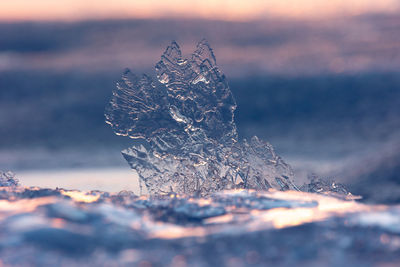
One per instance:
[(186, 117), (45, 227)]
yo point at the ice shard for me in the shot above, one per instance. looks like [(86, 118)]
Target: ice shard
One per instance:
[(186, 117), (7, 179)]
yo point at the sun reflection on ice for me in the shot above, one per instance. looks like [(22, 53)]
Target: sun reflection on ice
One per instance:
[(80, 196)]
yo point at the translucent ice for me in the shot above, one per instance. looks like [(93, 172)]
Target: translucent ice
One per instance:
[(317, 185), (186, 116), (8, 179)]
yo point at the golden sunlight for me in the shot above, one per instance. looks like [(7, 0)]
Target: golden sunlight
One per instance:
[(80, 196), (206, 9)]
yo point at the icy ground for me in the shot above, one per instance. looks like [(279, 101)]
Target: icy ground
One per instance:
[(45, 227)]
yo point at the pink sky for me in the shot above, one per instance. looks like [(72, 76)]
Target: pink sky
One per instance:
[(209, 9)]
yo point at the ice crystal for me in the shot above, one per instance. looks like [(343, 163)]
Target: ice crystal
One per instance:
[(318, 185), (7, 179), (186, 116)]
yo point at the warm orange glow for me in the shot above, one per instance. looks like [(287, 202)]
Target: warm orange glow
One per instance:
[(8, 208), (281, 218), (237, 220), (170, 231), (208, 9), (80, 196), (58, 223), (257, 220), (327, 206)]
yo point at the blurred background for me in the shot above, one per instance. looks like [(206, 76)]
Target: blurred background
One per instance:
[(319, 80)]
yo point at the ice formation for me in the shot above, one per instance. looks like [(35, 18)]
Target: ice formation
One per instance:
[(8, 179), (186, 117)]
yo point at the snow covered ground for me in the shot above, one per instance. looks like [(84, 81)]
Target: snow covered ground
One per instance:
[(44, 227)]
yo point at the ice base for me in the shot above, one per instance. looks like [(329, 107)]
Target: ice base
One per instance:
[(45, 227)]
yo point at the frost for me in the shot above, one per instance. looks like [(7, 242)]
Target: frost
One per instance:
[(186, 117), (317, 185), (7, 179)]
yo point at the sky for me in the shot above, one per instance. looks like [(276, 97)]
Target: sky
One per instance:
[(233, 10)]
